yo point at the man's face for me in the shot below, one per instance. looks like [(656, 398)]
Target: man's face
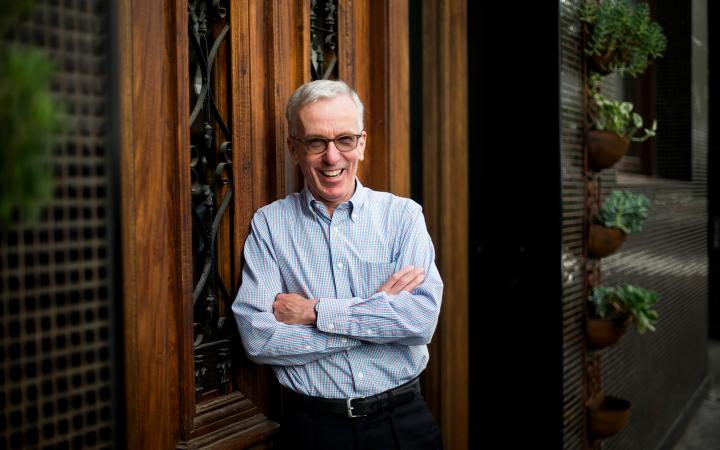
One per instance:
[(328, 118)]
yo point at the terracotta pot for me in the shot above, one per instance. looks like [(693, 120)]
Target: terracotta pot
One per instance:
[(604, 332), (609, 417), (605, 148), (601, 63), (604, 241)]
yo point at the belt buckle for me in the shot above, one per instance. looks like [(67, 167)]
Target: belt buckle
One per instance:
[(350, 413)]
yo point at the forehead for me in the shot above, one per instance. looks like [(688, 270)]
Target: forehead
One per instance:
[(337, 113)]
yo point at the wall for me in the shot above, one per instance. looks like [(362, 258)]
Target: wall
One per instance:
[(59, 381), (664, 373)]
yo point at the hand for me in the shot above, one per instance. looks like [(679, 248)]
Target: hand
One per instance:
[(406, 279), (294, 309)]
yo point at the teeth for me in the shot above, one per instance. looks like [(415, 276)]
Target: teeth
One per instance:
[(331, 173)]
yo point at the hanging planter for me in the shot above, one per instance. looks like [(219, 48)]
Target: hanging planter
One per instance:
[(600, 63), (625, 301), (604, 241), (622, 37), (603, 332), (622, 213), (609, 417), (614, 126), (605, 148)]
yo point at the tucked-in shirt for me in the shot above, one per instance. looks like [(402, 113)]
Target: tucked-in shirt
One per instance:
[(364, 341)]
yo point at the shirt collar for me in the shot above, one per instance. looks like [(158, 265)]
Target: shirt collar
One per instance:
[(356, 201)]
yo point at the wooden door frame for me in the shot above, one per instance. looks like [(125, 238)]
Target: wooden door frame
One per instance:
[(156, 225), (374, 60), (445, 202)]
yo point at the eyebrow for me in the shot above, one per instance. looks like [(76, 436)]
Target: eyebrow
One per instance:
[(344, 133)]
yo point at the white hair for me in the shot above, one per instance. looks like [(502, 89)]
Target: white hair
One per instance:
[(317, 90)]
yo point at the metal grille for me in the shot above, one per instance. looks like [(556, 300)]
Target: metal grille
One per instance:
[(658, 372), (573, 213), (323, 36), (211, 175), (56, 377)]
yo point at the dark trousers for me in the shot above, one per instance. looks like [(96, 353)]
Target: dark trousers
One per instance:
[(404, 427)]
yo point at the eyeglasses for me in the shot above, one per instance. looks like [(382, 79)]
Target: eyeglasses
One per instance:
[(317, 145)]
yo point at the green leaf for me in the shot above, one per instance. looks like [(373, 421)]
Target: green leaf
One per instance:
[(624, 210), (30, 119), (625, 33), (627, 299)]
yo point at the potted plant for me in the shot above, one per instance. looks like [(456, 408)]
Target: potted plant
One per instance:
[(613, 307), (622, 213), (622, 38), (608, 417), (614, 125)]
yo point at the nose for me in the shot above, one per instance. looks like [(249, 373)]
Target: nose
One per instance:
[(332, 154)]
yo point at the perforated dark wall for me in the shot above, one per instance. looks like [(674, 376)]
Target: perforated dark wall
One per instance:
[(56, 357), (661, 372), (573, 223)]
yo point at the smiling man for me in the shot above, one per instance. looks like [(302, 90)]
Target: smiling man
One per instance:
[(340, 292)]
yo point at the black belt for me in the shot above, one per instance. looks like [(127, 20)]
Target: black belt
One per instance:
[(357, 407)]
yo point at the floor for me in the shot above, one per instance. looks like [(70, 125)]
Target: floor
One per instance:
[(703, 431)]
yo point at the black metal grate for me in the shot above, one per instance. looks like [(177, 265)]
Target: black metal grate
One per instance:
[(212, 193), (323, 40), (573, 200), (56, 374)]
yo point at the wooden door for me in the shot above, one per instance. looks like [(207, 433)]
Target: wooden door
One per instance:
[(202, 90)]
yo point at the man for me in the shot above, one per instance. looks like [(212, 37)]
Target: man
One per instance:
[(340, 292)]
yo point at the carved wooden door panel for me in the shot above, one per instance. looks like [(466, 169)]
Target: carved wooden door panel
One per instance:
[(202, 90)]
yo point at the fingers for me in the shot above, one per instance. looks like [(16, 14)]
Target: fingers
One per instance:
[(417, 281), (394, 278), (406, 279)]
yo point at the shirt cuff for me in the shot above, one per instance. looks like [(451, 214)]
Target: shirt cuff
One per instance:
[(333, 315)]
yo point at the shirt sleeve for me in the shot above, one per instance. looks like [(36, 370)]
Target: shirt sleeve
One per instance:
[(266, 340), (408, 318)]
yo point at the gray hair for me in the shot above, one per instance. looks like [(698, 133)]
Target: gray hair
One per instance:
[(318, 90)]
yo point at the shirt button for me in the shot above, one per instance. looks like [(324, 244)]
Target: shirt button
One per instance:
[(360, 375), (340, 265), (307, 347), (336, 228), (354, 216), (369, 332), (344, 341), (331, 327)]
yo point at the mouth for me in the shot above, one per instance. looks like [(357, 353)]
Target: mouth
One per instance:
[(331, 173)]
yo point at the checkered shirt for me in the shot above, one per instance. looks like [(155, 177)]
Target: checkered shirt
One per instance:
[(364, 342)]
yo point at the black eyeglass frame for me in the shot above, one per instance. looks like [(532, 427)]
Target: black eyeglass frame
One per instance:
[(327, 142)]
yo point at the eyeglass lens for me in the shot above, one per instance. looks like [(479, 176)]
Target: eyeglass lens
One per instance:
[(344, 143)]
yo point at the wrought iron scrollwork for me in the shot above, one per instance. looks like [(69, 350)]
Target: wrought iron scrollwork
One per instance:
[(323, 37), (211, 180)]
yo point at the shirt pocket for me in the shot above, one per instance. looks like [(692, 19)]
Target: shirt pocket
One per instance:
[(371, 276)]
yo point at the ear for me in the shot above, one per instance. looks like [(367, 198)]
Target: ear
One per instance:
[(361, 146)]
